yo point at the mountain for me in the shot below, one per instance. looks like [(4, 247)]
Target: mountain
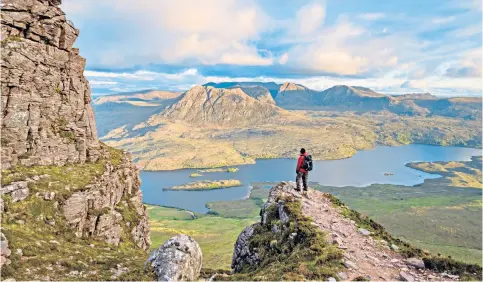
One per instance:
[(291, 96), (221, 106)]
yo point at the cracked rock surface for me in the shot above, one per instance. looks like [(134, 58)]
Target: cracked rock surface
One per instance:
[(47, 118)]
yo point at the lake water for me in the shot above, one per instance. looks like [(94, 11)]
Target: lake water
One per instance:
[(364, 168)]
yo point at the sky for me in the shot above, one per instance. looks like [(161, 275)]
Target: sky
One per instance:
[(394, 47)]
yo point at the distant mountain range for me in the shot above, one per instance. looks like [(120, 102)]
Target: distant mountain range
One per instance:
[(233, 104), (293, 96)]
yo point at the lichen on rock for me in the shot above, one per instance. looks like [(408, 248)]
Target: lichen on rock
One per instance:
[(178, 259)]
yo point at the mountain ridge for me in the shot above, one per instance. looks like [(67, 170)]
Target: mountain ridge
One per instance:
[(292, 96)]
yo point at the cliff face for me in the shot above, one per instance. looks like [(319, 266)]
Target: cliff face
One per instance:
[(46, 114), (60, 185)]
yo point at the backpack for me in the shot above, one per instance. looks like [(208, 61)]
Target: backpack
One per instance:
[(307, 164)]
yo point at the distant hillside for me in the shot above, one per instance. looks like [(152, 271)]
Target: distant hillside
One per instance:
[(129, 109), (232, 106), (149, 97)]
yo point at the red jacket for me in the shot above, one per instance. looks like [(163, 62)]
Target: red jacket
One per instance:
[(300, 162)]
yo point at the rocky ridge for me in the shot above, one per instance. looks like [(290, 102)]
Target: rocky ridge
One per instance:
[(363, 253)]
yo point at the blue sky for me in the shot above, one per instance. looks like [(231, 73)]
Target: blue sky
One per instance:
[(390, 46)]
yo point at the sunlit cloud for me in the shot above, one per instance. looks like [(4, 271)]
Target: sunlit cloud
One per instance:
[(176, 44)]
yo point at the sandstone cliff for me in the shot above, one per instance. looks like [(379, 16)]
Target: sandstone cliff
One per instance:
[(65, 195), (46, 114)]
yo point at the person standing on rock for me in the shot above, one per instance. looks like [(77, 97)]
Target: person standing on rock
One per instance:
[(304, 165)]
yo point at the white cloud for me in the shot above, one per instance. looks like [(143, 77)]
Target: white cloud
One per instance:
[(102, 83), (443, 20), (469, 65), (310, 17), (207, 32), (141, 75), (371, 16), (283, 59), (345, 49), (468, 30)]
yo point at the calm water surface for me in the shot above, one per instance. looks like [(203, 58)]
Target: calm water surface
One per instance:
[(364, 168)]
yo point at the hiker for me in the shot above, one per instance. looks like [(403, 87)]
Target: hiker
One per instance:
[(304, 165)]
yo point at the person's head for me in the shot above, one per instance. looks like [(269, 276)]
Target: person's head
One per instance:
[(302, 151)]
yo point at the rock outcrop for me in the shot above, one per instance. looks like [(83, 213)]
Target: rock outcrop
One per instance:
[(284, 245), (178, 259), (94, 211), (47, 118)]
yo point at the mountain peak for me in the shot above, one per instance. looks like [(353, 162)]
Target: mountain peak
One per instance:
[(290, 86), (224, 106)]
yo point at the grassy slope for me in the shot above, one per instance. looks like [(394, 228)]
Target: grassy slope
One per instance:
[(438, 218), (53, 251), (216, 235)]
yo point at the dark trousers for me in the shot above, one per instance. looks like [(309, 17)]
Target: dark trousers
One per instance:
[(302, 177)]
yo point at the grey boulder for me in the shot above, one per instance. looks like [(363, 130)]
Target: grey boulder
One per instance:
[(178, 259)]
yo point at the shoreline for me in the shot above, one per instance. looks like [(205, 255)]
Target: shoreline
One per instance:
[(294, 158)]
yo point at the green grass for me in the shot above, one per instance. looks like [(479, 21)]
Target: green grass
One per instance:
[(438, 218), (43, 258), (308, 256), (235, 209), (468, 271), (158, 213), (216, 235), (193, 175)]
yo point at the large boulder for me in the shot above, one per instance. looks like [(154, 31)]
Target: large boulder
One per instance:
[(178, 259)]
